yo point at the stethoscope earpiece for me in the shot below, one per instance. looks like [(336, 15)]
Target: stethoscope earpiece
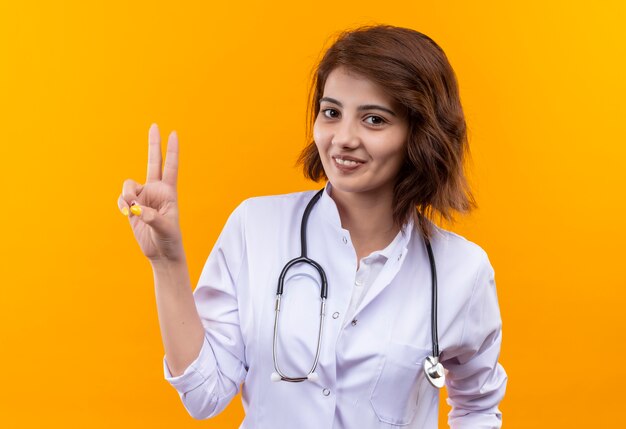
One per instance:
[(313, 377)]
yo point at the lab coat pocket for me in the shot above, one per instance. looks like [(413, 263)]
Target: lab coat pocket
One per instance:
[(400, 384)]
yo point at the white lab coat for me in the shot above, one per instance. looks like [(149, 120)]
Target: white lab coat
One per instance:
[(371, 364)]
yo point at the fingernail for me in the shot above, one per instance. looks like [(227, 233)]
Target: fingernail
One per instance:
[(136, 210), (125, 211)]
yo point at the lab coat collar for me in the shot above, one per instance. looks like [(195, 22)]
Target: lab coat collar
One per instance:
[(395, 254), (331, 212), (387, 251), (329, 208)]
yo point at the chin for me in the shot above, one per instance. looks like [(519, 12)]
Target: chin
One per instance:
[(348, 185)]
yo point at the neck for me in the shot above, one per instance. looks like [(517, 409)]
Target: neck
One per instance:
[(368, 217)]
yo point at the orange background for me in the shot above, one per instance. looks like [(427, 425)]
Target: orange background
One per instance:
[(543, 87)]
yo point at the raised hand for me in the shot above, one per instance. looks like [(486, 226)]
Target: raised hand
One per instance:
[(152, 208)]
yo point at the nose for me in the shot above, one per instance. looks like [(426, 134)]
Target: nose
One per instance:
[(346, 135)]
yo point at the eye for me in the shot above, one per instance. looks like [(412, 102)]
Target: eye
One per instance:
[(377, 121), (330, 113)]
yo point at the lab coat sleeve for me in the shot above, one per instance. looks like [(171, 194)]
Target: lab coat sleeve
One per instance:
[(209, 383), (476, 382)]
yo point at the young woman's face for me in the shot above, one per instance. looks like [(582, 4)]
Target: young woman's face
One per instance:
[(360, 134)]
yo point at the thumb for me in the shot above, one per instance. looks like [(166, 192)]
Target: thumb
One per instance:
[(150, 216)]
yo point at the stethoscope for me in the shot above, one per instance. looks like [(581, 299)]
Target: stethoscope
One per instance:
[(432, 367)]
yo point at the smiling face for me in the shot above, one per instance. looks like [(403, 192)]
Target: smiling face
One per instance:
[(360, 134)]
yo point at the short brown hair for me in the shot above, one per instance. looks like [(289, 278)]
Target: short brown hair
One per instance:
[(416, 73)]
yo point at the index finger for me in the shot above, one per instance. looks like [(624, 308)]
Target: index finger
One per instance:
[(170, 171), (154, 154)]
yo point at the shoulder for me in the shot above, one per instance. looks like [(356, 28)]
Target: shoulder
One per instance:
[(264, 211), (275, 205), (269, 202), (465, 275), (459, 251)]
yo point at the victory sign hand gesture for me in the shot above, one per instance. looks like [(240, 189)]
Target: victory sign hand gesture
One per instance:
[(152, 208)]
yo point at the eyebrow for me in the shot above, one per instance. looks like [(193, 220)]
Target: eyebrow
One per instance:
[(364, 107)]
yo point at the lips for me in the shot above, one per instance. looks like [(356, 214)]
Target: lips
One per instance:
[(347, 158), (346, 163)]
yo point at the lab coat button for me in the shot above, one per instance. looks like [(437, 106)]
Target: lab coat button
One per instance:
[(354, 322), (335, 315), (345, 240), (326, 392), (399, 256), (359, 282)]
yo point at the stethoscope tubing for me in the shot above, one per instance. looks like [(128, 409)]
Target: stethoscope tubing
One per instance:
[(432, 366), (433, 306)]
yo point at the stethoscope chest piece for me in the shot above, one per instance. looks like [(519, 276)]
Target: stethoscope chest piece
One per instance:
[(434, 371)]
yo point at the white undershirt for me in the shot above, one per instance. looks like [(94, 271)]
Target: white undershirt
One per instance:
[(370, 267)]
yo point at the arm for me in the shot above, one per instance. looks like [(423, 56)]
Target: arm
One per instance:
[(212, 378), (476, 382), (206, 360), (181, 329)]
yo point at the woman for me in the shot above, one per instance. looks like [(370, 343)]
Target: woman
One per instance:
[(389, 137)]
